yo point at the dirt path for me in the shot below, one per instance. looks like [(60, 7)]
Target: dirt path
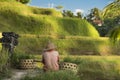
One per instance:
[(18, 74)]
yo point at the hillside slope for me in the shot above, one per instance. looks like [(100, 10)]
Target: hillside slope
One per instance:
[(25, 19), (112, 10)]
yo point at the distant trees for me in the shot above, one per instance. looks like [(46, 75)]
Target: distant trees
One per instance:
[(94, 16), (23, 1), (111, 16), (79, 15), (59, 7), (68, 13)]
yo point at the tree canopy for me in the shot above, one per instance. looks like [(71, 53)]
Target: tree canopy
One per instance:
[(23, 1)]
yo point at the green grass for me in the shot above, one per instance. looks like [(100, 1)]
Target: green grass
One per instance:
[(60, 75), (4, 66), (89, 68), (68, 45), (7, 0), (96, 67), (21, 18), (45, 11)]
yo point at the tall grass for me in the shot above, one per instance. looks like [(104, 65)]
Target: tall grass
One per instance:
[(65, 46), (4, 65), (78, 27), (60, 75), (17, 56), (3, 60), (97, 67)]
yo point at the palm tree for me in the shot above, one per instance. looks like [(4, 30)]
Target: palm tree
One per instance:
[(111, 18), (117, 0), (109, 7)]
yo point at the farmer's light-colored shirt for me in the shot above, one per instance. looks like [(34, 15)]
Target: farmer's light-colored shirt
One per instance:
[(50, 60)]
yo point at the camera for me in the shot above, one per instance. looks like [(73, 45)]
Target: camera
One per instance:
[(9, 41), (9, 37)]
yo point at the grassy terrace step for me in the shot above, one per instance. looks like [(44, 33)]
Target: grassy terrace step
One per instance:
[(71, 58), (54, 36), (73, 45), (24, 19), (70, 35), (37, 26)]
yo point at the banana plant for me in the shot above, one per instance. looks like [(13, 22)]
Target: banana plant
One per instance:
[(115, 35), (109, 7)]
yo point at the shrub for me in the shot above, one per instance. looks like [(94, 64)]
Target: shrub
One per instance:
[(24, 1), (15, 60)]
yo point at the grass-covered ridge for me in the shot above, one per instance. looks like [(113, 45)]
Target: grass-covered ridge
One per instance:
[(21, 18), (67, 45), (22, 9)]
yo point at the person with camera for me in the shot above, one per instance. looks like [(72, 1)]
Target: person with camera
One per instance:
[(50, 58)]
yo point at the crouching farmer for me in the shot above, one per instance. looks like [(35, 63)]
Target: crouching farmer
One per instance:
[(50, 58)]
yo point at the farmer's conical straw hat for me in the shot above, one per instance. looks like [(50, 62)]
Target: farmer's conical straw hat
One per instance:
[(50, 46)]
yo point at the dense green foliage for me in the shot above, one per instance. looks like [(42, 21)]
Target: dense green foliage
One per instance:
[(94, 14), (68, 13), (24, 1), (95, 18), (115, 35), (112, 10), (111, 16)]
